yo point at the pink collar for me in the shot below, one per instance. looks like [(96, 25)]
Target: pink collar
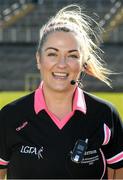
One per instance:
[(78, 100)]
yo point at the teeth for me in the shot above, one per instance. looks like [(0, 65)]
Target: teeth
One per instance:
[(60, 74)]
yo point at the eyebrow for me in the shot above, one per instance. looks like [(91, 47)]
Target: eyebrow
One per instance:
[(73, 50), (51, 48)]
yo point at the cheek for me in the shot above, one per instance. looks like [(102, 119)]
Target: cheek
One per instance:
[(46, 66), (76, 66), (43, 63)]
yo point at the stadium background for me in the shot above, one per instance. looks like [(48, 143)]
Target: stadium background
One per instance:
[(20, 21)]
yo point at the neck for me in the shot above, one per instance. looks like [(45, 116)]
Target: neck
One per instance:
[(59, 103), (57, 97)]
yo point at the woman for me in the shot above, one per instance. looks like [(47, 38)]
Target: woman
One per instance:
[(61, 131)]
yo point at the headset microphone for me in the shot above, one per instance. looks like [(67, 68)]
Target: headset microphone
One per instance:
[(72, 82)]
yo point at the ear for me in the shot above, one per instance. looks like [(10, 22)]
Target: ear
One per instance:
[(82, 69), (38, 60)]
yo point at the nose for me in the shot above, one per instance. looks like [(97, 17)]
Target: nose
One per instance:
[(62, 62)]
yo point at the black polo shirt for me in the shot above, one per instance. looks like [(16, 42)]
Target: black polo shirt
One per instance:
[(32, 146)]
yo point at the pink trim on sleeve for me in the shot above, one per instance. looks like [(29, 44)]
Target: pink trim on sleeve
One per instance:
[(116, 158), (107, 134), (3, 162)]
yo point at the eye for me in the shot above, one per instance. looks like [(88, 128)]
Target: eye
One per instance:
[(74, 56), (52, 54)]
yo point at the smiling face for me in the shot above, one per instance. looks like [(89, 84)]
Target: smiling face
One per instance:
[(60, 61)]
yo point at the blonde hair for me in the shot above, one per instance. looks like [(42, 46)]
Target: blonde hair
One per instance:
[(71, 19)]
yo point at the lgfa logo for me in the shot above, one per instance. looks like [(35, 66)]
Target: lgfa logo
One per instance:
[(32, 150)]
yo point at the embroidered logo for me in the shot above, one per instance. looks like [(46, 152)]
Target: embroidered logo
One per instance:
[(22, 126), (32, 150)]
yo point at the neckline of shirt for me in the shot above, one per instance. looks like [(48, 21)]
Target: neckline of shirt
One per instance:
[(78, 104)]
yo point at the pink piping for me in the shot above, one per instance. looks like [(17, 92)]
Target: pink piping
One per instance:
[(3, 162), (115, 158), (107, 134), (104, 162)]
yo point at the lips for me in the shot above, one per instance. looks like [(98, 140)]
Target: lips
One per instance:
[(60, 75)]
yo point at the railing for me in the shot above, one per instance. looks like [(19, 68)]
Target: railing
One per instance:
[(31, 34), (32, 81), (20, 35)]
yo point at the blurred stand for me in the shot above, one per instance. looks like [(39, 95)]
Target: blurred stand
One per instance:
[(20, 21)]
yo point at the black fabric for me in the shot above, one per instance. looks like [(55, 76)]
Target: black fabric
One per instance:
[(37, 148)]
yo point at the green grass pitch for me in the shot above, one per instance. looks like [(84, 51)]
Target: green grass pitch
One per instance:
[(114, 98)]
